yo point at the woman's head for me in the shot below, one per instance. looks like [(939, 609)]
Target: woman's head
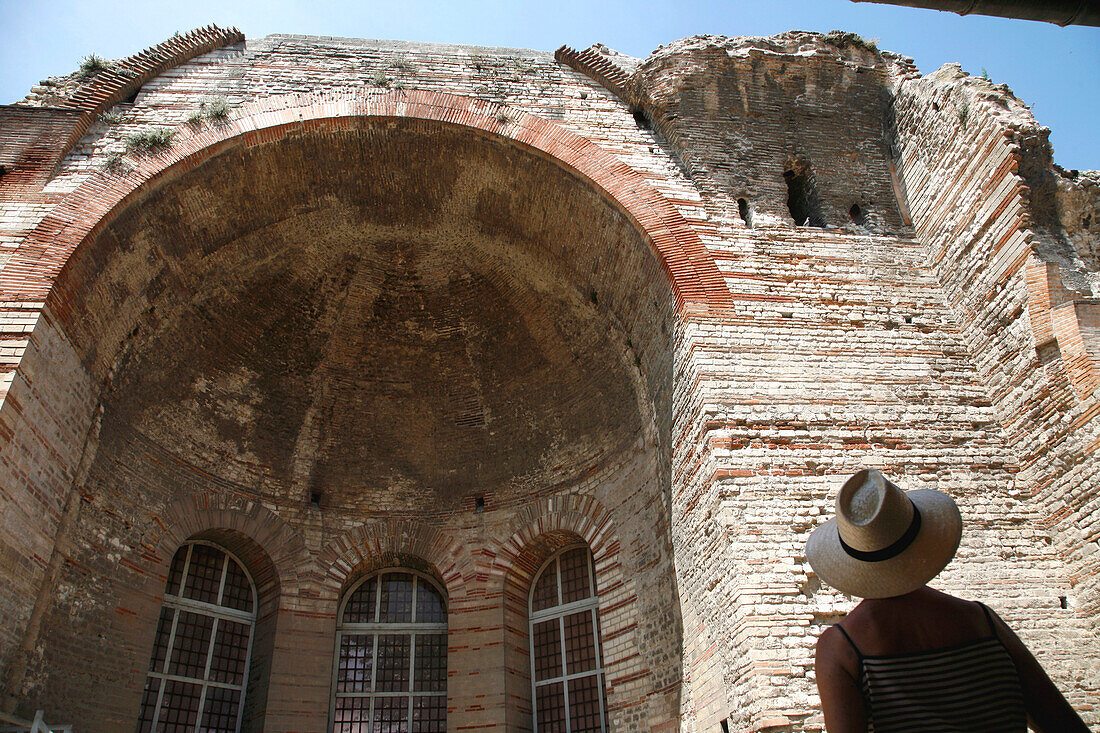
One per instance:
[(884, 542)]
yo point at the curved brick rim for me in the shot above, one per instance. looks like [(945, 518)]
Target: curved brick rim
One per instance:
[(199, 515), (36, 265), (574, 514), (339, 559)]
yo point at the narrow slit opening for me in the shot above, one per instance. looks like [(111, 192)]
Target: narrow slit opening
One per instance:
[(745, 212)]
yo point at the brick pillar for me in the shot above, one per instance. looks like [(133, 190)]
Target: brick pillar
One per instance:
[(475, 676), (301, 668)]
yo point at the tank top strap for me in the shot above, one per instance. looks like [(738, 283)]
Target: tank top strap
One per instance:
[(858, 652), (989, 620)]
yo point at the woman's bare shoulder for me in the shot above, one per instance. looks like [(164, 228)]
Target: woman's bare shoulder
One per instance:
[(834, 650)]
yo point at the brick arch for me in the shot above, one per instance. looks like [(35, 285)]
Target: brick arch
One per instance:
[(272, 553), (538, 531), (535, 526), (243, 527), (371, 546), (696, 282)]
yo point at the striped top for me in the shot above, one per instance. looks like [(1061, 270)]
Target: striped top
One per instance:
[(967, 688)]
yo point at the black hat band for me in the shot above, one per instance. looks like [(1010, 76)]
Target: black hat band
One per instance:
[(892, 550)]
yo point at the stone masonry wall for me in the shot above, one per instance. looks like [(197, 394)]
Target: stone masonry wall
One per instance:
[(116, 608), (987, 204), (744, 113), (43, 427)]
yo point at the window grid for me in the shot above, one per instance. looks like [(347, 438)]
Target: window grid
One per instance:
[(403, 686), (185, 702), (566, 672)]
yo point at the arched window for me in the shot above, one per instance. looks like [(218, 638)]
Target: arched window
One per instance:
[(391, 670), (199, 667), (566, 667)]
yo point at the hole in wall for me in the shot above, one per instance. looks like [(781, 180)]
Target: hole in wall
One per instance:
[(828, 618), (1063, 602), (725, 727), (640, 118), (479, 504), (802, 199), (1048, 351), (856, 215), (811, 586), (745, 212), (909, 319), (130, 99), (315, 499)]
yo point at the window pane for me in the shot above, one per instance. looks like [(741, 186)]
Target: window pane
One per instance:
[(360, 607), (352, 715), (238, 591), (148, 705), (396, 598), (574, 575), (220, 710), (396, 668), (206, 648), (431, 663), (565, 643), (580, 645), (204, 574), (429, 714), (584, 704), (546, 638), (545, 593), (391, 714), (175, 573), (180, 710), (160, 643), (230, 649), (356, 658), (191, 645), (550, 702), (429, 604), (393, 663)]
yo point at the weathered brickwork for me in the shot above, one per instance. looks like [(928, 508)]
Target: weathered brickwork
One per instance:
[(375, 304), (1024, 294)]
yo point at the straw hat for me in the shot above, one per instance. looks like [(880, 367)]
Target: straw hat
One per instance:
[(884, 542)]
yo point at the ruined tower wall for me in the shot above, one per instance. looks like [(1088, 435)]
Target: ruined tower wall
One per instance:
[(778, 408), (987, 206), (744, 114)]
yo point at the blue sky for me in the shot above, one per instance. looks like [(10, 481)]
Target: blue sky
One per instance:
[(1056, 70)]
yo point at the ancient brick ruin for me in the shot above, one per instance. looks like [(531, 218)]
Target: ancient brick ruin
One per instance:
[(319, 316)]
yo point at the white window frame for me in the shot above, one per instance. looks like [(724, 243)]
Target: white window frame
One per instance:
[(218, 613), (591, 603), (379, 627)]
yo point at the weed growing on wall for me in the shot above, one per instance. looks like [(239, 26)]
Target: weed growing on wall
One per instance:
[(963, 113), (91, 65), (216, 109), (149, 141)]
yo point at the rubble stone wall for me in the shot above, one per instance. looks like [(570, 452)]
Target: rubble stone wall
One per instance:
[(988, 206)]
